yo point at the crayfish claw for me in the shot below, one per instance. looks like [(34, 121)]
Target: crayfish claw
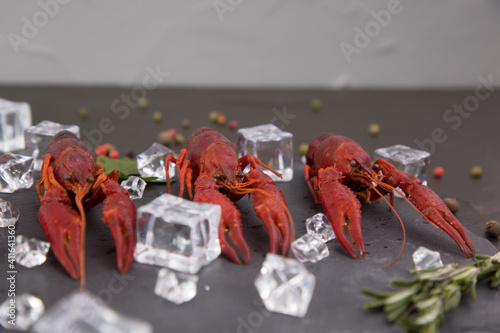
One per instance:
[(119, 214), (340, 204), (236, 235), (230, 222), (270, 206), (63, 227)]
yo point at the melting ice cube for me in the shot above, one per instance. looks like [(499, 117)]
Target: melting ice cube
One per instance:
[(175, 286), (319, 226), (31, 252), (16, 172), (423, 258), (309, 248), (15, 117), (9, 214), (285, 285), (135, 186), (38, 137), (151, 163), (27, 309), (177, 233), (271, 145), (81, 311), (412, 161)]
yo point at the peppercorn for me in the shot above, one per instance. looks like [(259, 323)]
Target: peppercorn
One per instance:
[(493, 228), (438, 172), (316, 105), (157, 116), (476, 171), (303, 148), (374, 129), (143, 103), (83, 112), (165, 138), (179, 139), (452, 204)]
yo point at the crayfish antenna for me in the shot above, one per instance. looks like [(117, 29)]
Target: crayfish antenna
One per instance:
[(80, 193), (402, 226)]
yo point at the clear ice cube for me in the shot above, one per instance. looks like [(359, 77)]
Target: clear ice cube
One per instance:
[(412, 161), (271, 145), (285, 285), (151, 163), (15, 117), (309, 248), (319, 227), (175, 286), (9, 214), (81, 311), (16, 172), (37, 137), (177, 233), (423, 258), (135, 186), (31, 252), (25, 309)]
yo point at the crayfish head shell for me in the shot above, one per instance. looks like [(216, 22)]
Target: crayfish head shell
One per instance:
[(72, 170)]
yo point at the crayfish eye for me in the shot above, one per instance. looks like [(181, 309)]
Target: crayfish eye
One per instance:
[(241, 174), (217, 175), (376, 167), (90, 179), (67, 177), (353, 163)]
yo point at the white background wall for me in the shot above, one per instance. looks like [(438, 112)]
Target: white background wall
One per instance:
[(429, 43)]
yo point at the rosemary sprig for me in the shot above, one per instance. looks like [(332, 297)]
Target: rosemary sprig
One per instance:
[(421, 305)]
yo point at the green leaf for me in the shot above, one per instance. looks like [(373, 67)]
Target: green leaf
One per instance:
[(127, 167), (375, 293)]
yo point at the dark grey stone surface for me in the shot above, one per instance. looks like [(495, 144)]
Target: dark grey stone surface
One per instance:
[(232, 303)]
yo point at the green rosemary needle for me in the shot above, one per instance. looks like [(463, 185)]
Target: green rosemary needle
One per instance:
[(421, 304)]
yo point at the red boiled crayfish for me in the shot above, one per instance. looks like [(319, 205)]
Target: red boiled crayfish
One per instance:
[(70, 176), (338, 171), (211, 164)]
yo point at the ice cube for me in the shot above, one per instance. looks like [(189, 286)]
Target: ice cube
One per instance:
[(81, 311), (135, 186), (26, 309), (423, 258), (309, 248), (16, 172), (271, 145), (177, 233), (151, 163), (15, 117), (285, 285), (319, 226), (412, 161), (175, 286), (38, 137), (31, 252), (9, 214)]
